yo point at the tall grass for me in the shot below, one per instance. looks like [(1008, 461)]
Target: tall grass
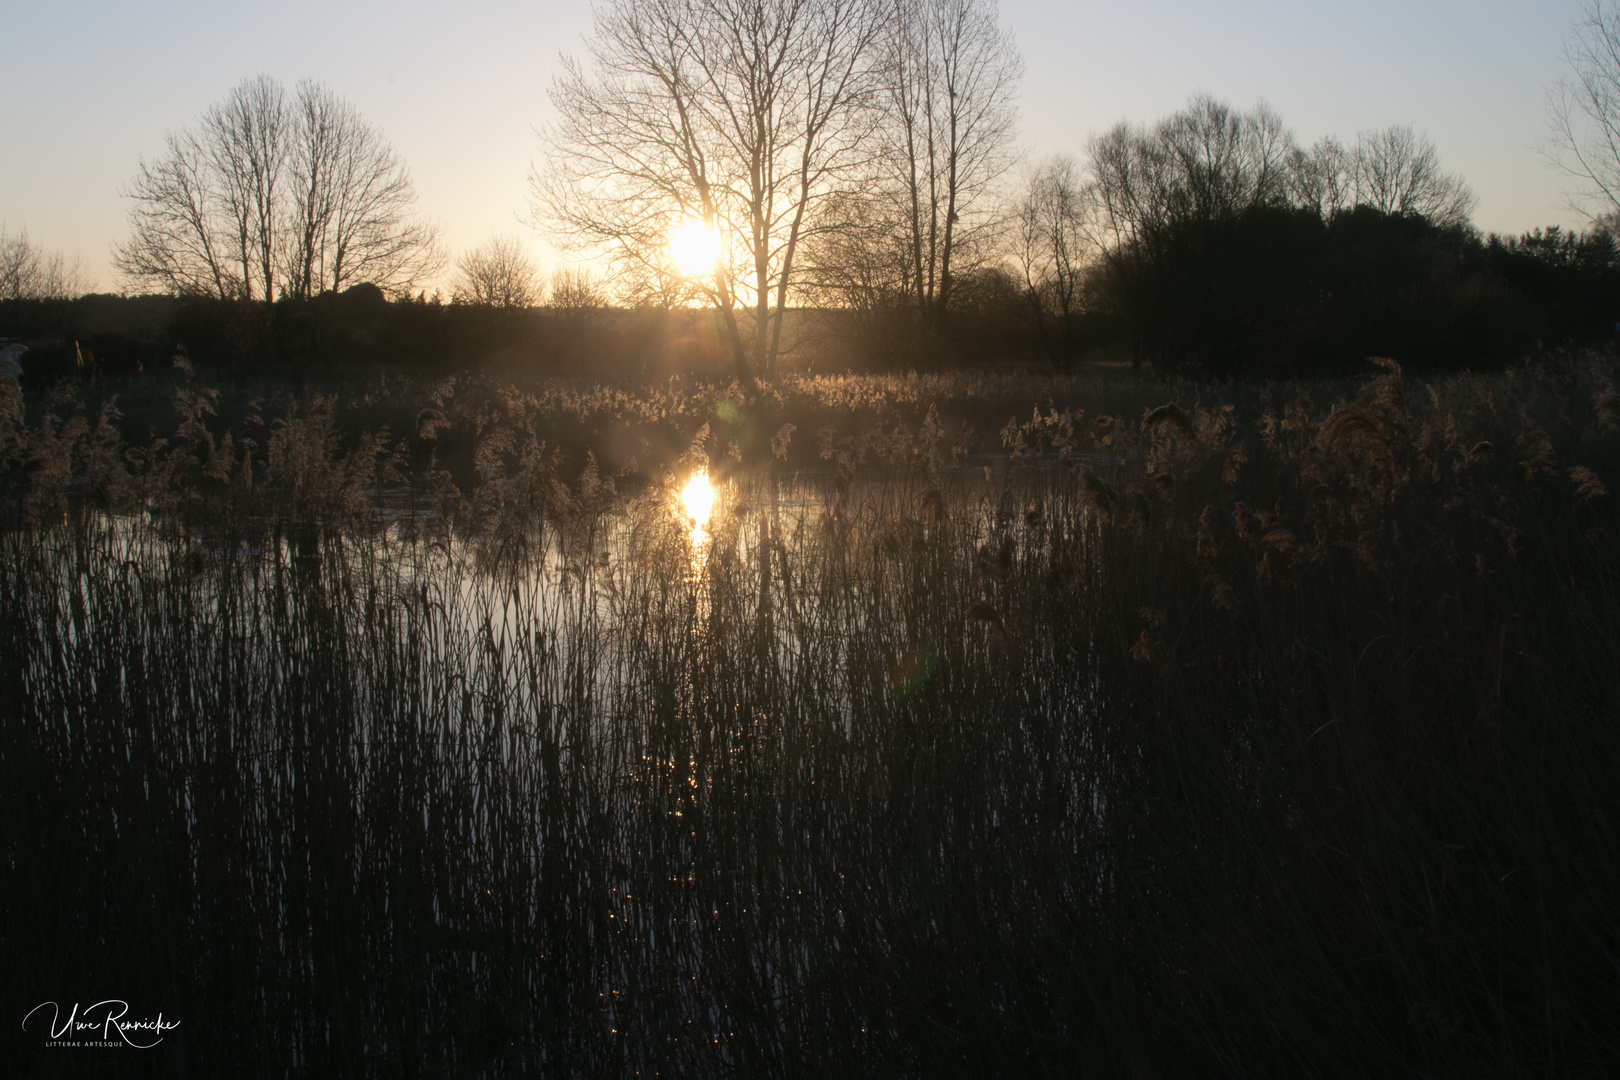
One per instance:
[(1241, 738)]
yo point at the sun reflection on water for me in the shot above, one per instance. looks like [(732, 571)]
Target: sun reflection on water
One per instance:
[(697, 499)]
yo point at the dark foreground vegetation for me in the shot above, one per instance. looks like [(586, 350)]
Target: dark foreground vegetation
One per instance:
[(1271, 732)]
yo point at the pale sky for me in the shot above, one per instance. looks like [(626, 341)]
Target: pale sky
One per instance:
[(87, 88)]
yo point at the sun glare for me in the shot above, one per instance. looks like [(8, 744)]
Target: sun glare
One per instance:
[(695, 247), (698, 499)]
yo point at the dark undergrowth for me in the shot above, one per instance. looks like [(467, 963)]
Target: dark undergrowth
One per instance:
[(1265, 735)]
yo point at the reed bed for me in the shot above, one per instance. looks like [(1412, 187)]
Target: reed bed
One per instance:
[(1256, 737)]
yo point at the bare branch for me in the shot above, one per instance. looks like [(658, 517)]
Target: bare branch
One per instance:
[(744, 114), (1584, 111), (497, 274), (267, 197), (1396, 170), (29, 272)]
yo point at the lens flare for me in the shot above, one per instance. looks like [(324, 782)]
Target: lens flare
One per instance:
[(695, 247)]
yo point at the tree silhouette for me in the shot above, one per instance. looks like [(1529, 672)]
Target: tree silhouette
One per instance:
[(29, 272), (952, 77), (1397, 171), (1224, 245), (743, 114), (266, 196), (1054, 252), (497, 274), (1584, 109)]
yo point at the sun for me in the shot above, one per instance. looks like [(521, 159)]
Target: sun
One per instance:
[(695, 247)]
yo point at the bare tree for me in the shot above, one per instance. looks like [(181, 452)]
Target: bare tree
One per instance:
[(266, 196), (859, 273), (1167, 203), (1204, 163), (187, 234), (204, 214), (953, 74), (1052, 252), (1584, 109), (29, 272), (497, 274), (736, 113), (1397, 171), (859, 256), (352, 215), (575, 289), (1323, 178), (247, 138)]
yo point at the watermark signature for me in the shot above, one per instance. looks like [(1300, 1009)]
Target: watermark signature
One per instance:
[(100, 1025)]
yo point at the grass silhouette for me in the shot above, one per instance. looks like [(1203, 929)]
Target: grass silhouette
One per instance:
[(1239, 735)]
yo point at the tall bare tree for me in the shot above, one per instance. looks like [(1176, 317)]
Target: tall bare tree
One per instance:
[(1584, 110), (351, 217), (1053, 252), (1323, 177), (204, 215), (185, 233), (497, 274), (1397, 170), (1206, 162), (743, 114), (952, 79), (247, 138), (268, 196)]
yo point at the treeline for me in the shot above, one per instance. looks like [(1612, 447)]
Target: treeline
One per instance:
[(1212, 242), (27, 269), (1268, 290), (1278, 290), (296, 339), (852, 168)]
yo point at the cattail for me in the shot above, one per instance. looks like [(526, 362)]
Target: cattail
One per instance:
[(1208, 546), (1541, 457), (429, 422), (1608, 408), (1141, 511), (1281, 540), (1387, 388), (1171, 414), (1588, 486), (1349, 425)]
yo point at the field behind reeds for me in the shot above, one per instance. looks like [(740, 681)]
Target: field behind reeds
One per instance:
[(1271, 732)]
